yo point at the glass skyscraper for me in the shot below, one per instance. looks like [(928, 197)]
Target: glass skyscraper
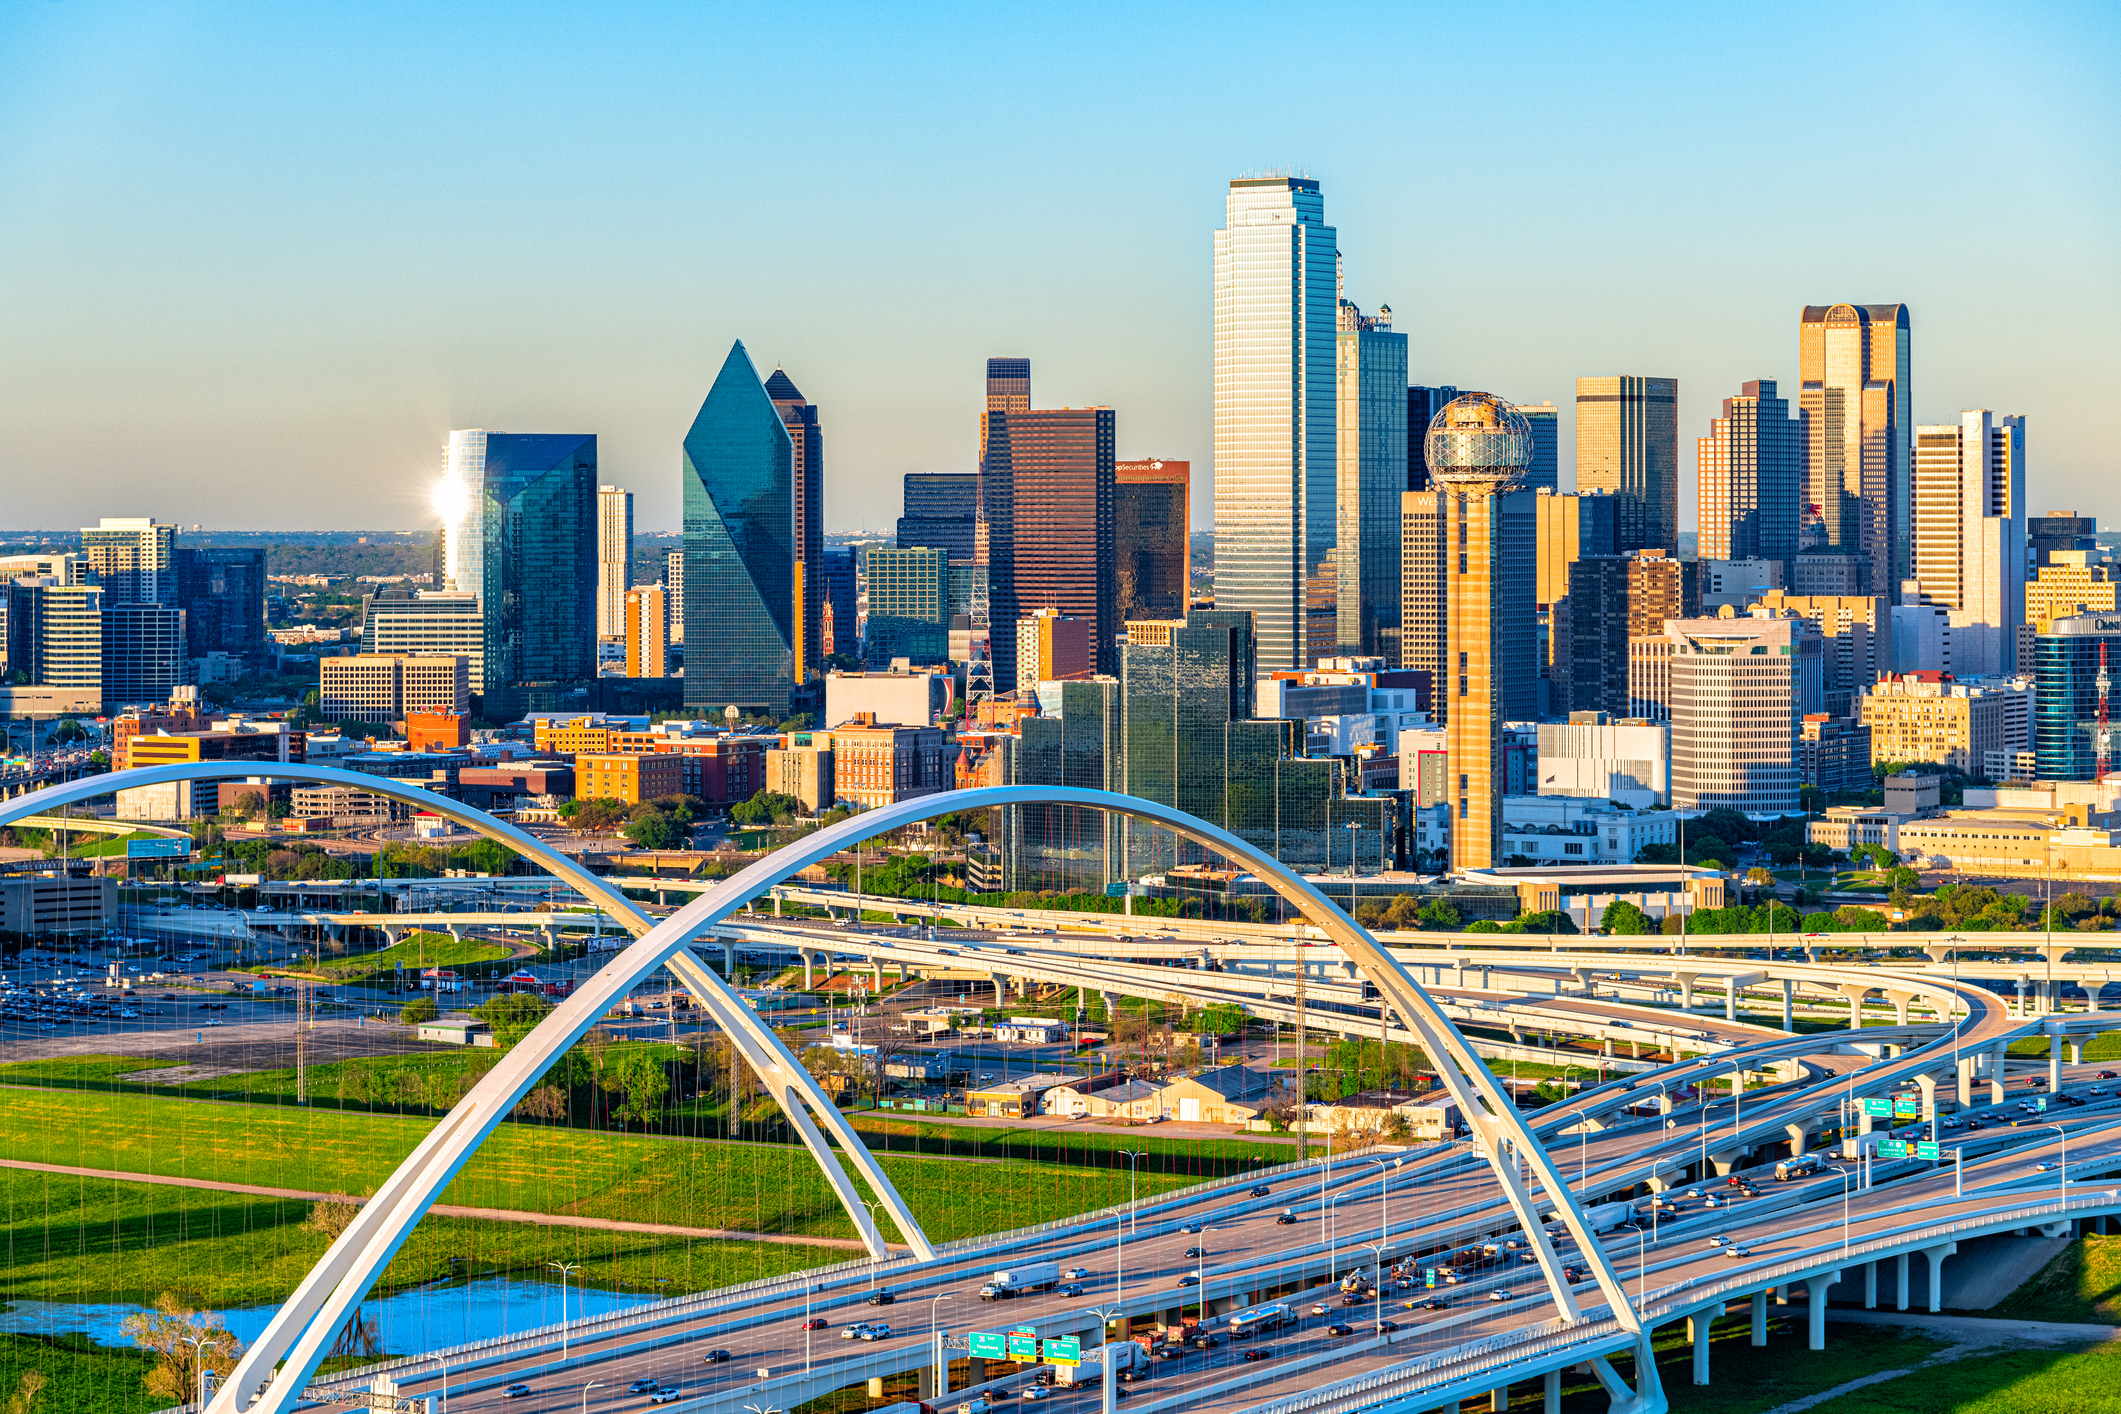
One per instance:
[(806, 450), (1046, 496), (221, 590), (740, 547), (1276, 315), (1747, 473), (1853, 367), (1627, 443), (909, 605), (1371, 469), (1153, 508), (135, 559), (2070, 662), (522, 535)]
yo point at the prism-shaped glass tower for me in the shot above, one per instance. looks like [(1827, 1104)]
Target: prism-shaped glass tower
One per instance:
[(740, 547)]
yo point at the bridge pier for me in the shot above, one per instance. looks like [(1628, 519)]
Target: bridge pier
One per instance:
[(1870, 1286), (1927, 1084), (1789, 1000), (1995, 1076), (1855, 992), (729, 956), (1499, 1399), (1937, 1255), (2054, 1057), (876, 969), (1900, 1001), (1697, 1331), (1760, 1318), (902, 974), (1900, 1282), (1001, 983), (1730, 1008), (1111, 1006), (1553, 1392), (1815, 1289), (1686, 990), (1966, 1082), (1799, 1134), (809, 972)]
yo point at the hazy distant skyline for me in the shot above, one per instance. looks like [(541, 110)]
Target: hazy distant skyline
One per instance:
[(256, 262)]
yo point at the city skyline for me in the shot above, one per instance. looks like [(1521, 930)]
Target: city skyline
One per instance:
[(609, 319)]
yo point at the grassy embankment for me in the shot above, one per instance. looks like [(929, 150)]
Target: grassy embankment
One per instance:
[(415, 952)]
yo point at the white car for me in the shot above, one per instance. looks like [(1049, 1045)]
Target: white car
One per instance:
[(854, 1331), (1500, 1296), (1735, 1251), (1074, 1273)]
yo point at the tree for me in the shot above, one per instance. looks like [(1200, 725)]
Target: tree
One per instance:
[(766, 807), (653, 829), (248, 805), (419, 1011), (186, 1341), (24, 1399), (511, 1015), (1760, 878), (331, 1215), (1626, 919), (644, 1082)]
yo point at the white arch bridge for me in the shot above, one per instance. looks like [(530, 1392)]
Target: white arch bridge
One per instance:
[(279, 1364)]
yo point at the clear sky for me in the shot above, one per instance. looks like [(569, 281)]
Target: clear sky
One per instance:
[(256, 260)]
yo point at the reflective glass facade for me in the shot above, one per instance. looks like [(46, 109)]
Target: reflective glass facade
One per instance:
[(1062, 846), (135, 559), (1151, 511), (740, 549), (1627, 443), (1047, 493), (2067, 663), (143, 654), (941, 510), (909, 605), (222, 593), (1276, 302), (538, 563), (1371, 469), (806, 450), (1748, 472)]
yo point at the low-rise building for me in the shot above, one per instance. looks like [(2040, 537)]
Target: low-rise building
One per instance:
[(2031, 843), (1231, 1094), (902, 695), (1127, 1099), (802, 768), (344, 806), (1037, 1030), (1834, 753), (1583, 892), (57, 902), (1012, 1099), (1555, 829), (1598, 757), (1932, 718), (875, 764), (625, 777), (1849, 827), (1429, 1116)]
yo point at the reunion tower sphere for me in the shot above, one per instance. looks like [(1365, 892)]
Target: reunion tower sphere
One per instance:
[(1479, 441)]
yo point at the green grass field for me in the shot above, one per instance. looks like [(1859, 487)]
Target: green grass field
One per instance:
[(543, 1168), (2081, 1283), (76, 1239), (416, 952), (85, 1378), (2003, 1381)]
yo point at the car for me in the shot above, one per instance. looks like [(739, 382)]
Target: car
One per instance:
[(1719, 1241), (1320, 1308), (2096, 1090), (2110, 1075), (1284, 1218), (1038, 1392), (1353, 1298), (1073, 1288), (1192, 1252), (716, 1357), (853, 1331), (1127, 1377), (643, 1386), (1500, 1296), (1735, 1251), (664, 1396), (881, 1298), (1260, 1190), (876, 1332), (1436, 1303), (1074, 1273), (1340, 1328), (1192, 1227), (1171, 1352), (1189, 1279), (1387, 1327), (517, 1391), (215, 1022), (1206, 1342), (1572, 1273)]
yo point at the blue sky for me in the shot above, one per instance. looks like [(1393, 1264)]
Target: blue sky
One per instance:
[(256, 260)]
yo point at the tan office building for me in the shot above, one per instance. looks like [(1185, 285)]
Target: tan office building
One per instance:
[(1627, 443), (384, 687), (628, 778), (1929, 719), (1735, 703), (1423, 591), (1853, 389), (647, 621), (2067, 585)]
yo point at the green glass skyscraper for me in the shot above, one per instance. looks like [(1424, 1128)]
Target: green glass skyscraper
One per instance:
[(741, 550)]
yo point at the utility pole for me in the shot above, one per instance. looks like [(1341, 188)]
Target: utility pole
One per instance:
[(1303, 1096)]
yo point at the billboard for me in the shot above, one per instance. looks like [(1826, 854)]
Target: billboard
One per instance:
[(158, 849)]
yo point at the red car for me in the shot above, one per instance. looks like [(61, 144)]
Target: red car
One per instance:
[(816, 1323)]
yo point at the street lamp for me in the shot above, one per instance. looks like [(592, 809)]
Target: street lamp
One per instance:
[(1844, 1211), (200, 1344), (2065, 1157), (443, 1361), (1384, 1207), (592, 1385), (1379, 1285), (564, 1268), (1133, 1157), (872, 1204)]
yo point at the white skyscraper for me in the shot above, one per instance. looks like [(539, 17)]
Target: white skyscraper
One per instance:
[(1276, 315), (674, 593), (1969, 535), (614, 559)]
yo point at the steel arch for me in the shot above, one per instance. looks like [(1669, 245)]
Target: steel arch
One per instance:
[(303, 1327)]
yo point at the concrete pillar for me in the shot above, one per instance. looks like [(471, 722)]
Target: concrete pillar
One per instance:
[(1111, 1002), (2054, 1059), (1927, 1084), (1686, 992), (1499, 1398), (1995, 1078), (1553, 1392), (1870, 1286), (809, 976), (1900, 1282), (1760, 1318), (876, 969), (1789, 1010), (1815, 1301), (1798, 1136), (1937, 1255), (1730, 1011), (876, 1386), (1697, 1331), (2076, 1053), (1966, 1082), (776, 903), (902, 974), (728, 957), (1001, 983), (1855, 996)]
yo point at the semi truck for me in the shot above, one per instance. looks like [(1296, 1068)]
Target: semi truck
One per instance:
[(1014, 1281)]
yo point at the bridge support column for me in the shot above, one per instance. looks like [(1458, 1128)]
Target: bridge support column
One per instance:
[(1900, 1282), (1686, 992), (2054, 1058), (876, 971), (1499, 1399), (1111, 1006), (902, 974), (1927, 1084), (776, 903), (1855, 995), (809, 974), (1799, 1135), (1760, 1318), (1730, 1005), (1870, 1286), (1697, 1331), (1789, 1005), (1815, 1302), (1001, 984), (1966, 1082), (2076, 1053), (1937, 1255), (1553, 1392)]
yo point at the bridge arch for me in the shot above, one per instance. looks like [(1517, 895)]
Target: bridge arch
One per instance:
[(297, 1337)]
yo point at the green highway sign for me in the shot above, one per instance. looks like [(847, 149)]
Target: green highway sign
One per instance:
[(1066, 1350), (1906, 1109), (1023, 1347), (1892, 1149), (1878, 1107), (988, 1345), (1928, 1151)]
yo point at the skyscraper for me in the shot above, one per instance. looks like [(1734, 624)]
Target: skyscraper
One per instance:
[(1572, 525), (614, 560), (674, 593), (647, 628), (806, 443), (741, 582), (1370, 432), (1545, 421), (430, 622), (1853, 368), (1747, 473), (520, 512), (1424, 595), (1478, 449), (143, 653), (221, 590), (1627, 442), (1152, 510), (1739, 688), (1970, 535), (843, 635), (909, 598), (1276, 297), (1423, 403), (1047, 514), (135, 559), (941, 513)]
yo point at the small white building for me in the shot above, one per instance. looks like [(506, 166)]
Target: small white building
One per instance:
[(1430, 1115), (1558, 829), (1594, 756), (1039, 1030)]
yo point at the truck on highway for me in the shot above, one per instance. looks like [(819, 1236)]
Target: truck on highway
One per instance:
[(1014, 1281), (1604, 1217), (1257, 1318)]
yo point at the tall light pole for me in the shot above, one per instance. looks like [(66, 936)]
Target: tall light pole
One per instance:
[(1384, 1206), (1133, 1157), (872, 1204), (200, 1344), (564, 1268), (585, 1393), (1379, 1285), (2065, 1157)]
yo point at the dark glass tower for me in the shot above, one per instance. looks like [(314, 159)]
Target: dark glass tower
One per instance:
[(2075, 663), (536, 567), (222, 593), (741, 549), (143, 654), (1046, 513), (941, 511), (806, 447), (1149, 547)]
